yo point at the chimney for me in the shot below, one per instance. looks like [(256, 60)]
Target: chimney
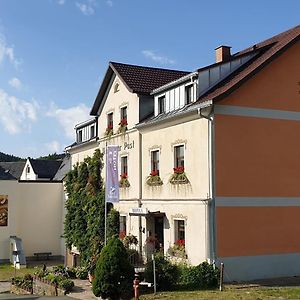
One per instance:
[(222, 53)]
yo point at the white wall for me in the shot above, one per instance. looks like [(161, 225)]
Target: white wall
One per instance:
[(34, 215)]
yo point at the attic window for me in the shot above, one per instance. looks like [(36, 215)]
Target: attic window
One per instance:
[(116, 87), (28, 169)]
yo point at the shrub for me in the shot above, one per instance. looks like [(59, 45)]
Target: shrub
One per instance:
[(66, 284), (71, 272), (114, 274), (202, 276), (166, 273), (81, 272)]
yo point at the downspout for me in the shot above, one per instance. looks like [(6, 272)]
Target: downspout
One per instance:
[(140, 194), (210, 205)]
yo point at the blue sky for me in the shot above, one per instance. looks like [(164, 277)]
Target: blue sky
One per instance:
[(54, 53)]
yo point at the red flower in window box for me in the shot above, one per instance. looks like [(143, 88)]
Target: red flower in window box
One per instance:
[(123, 122), (178, 170), (180, 243), (124, 176), (154, 173), (109, 127)]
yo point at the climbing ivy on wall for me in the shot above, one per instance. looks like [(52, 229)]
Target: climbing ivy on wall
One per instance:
[(85, 208)]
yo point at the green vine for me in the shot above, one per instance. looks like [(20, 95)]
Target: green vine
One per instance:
[(84, 221)]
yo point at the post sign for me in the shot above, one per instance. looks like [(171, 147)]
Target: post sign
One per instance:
[(138, 211), (112, 178)]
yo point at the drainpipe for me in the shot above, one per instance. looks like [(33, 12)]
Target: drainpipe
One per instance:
[(210, 206), (140, 194)]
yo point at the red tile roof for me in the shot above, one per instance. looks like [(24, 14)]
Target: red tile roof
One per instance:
[(143, 80), (270, 48), (138, 79)]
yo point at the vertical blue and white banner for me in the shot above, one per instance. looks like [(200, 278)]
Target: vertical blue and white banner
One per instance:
[(112, 177)]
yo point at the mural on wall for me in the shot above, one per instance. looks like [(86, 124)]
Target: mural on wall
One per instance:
[(3, 210)]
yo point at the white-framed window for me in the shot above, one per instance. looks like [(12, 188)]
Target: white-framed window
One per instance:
[(155, 160), (79, 136), (124, 165), (188, 93), (92, 131), (161, 105), (178, 156), (110, 120), (179, 232)]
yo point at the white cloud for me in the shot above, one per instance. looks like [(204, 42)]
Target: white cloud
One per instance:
[(54, 146), (61, 2), (15, 82), (163, 60), (17, 115), (86, 8), (69, 117), (7, 52), (109, 3)]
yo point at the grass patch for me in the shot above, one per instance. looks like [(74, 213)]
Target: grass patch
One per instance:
[(231, 293), (7, 271)]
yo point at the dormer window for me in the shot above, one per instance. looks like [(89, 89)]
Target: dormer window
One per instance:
[(92, 131), (188, 94), (116, 87), (161, 104), (79, 138)]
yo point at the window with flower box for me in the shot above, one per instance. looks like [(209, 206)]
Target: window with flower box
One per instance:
[(123, 122), (154, 179), (179, 175), (179, 232), (124, 183)]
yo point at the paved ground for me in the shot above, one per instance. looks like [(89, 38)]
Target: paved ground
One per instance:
[(82, 290)]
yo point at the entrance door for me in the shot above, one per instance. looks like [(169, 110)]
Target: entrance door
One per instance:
[(159, 232)]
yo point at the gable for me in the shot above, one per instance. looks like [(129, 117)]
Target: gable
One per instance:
[(276, 86)]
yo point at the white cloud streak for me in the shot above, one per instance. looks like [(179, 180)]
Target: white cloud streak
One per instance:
[(109, 3), (7, 53), (61, 2), (17, 115), (87, 8), (54, 146), (15, 83), (69, 117), (162, 60)]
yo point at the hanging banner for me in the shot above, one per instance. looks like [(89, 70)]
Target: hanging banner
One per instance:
[(112, 177)]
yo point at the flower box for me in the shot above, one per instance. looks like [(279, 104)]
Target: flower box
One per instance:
[(123, 126), (154, 179), (109, 131), (124, 183), (179, 176)]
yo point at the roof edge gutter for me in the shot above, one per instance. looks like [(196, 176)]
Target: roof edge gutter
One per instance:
[(175, 82), (195, 108)]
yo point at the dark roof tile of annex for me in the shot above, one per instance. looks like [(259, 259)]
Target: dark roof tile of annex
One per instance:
[(269, 49), (13, 170), (45, 168)]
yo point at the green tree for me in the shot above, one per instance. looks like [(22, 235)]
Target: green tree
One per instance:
[(114, 274)]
